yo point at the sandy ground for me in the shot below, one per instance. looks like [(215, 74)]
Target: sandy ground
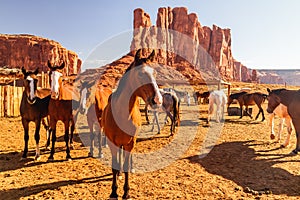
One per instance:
[(243, 163)]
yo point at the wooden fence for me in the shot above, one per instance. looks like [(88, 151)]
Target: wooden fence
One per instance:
[(10, 99)]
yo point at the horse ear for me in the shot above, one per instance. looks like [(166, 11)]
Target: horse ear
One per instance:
[(268, 90), (49, 65), (151, 57), (138, 55), (36, 71), (23, 70), (61, 66)]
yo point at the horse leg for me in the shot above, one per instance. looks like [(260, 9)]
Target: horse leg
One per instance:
[(289, 130), (100, 155), (72, 133), (25, 124), (66, 137), (37, 139), (247, 112), (146, 114), (280, 128), (271, 124), (115, 171), (126, 171), (53, 128), (297, 130), (92, 136), (48, 131), (241, 109)]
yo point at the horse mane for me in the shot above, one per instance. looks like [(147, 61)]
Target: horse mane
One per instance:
[(278, 91), (237, 95)]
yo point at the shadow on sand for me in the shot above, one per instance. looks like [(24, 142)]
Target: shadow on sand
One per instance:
[(238, 162)]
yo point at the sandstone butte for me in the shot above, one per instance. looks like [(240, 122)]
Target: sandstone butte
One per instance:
[(33, 52), (215, 41)]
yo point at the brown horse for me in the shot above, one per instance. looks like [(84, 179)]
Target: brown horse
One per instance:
[(61, 106), (198, 96), (291, 99), (92, 103), (121, 117), (247, 99), (34, 107)]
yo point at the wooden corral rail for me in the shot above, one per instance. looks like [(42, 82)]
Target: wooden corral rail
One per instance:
[(10, 99)]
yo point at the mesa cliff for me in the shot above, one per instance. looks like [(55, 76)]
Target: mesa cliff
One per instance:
[(33, 52), (170, 33)]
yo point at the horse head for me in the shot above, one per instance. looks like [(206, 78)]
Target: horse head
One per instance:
[(85, 93), (141, 78), (273, 99), (30, 84), (55, 79)]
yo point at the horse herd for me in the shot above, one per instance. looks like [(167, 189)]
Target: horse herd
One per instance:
[(121, 123)]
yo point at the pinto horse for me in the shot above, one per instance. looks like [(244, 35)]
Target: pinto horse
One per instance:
[(92, 103), (61, 106), (291, 99), (170, 106), (282, 113), (247, 99), (121, 117), (34, 107)]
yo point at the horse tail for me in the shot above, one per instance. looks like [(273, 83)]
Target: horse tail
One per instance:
[(176, 105)]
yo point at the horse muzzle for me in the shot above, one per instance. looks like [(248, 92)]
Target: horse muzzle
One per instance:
[(54, 95), (270, 110), (31, 101)]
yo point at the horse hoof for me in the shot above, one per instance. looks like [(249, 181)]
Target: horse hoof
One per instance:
[(50, 160), (90, 155), (282, 146), (101, 155), (272, 136), (23, 159), (132, 171), (120, 176), (37, 158), (294, 152), (69, 158), (158, 133)]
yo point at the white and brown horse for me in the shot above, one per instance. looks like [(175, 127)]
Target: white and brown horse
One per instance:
[(291, 99), (121, 117), (33, 107), (61, 108), (282, 113)]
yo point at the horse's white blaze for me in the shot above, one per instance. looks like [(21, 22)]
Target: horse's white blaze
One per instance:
[(54, 83), (158, 97), (83, 99), (31, 87)]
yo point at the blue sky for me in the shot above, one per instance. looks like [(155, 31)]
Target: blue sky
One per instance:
[(265, 34)]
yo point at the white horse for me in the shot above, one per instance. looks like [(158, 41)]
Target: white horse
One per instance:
[(218, 98), (282, 113)]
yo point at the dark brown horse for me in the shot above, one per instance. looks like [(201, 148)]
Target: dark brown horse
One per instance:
[(92, 103), (198, 96), (34, 107), (61, 106), (121, 117), (171, 106), (291, 99), (247, 99)]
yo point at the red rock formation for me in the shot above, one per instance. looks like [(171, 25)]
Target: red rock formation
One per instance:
[(33, 52), (178, 31)]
